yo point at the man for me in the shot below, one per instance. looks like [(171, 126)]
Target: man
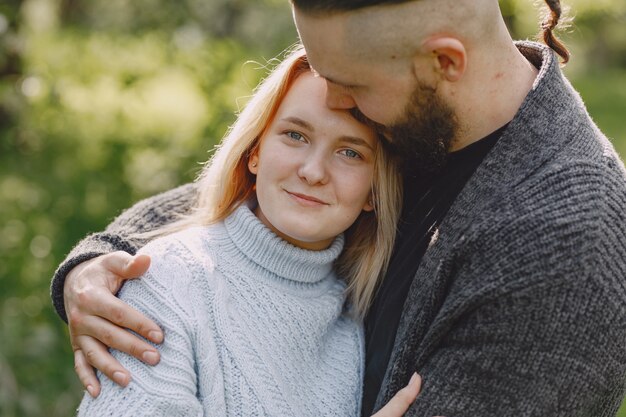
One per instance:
[(507, 289)]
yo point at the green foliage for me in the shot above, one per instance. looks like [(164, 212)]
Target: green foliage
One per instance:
[(103, 102), (605, 95)]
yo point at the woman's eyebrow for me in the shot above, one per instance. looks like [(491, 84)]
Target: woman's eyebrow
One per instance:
[(298, 121), (356, 141)]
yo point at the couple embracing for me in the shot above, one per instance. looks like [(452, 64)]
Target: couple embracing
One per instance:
[(416, 216)]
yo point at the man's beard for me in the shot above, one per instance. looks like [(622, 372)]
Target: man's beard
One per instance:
[(423, 136)]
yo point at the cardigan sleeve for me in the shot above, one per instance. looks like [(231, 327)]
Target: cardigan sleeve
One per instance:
[(166, 295), (144, 216)]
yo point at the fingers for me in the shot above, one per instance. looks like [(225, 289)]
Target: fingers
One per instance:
[(119, 339), (99, 357), (86, 374), (125, 265), (400, 403), (94, 314), (92, 295), (106, 272), (121, 314)]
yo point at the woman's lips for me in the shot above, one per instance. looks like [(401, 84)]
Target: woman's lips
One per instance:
[(307, 200)]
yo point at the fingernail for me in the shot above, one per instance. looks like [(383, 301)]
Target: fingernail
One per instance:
[(90, 391), (120, 378), (156, 336), (413, 379), (150, 357)]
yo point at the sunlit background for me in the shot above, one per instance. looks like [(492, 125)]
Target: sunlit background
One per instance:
[(103, 102)]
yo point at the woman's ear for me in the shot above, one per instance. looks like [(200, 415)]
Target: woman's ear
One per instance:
[(369, 204), (449, 54), (253, 163)]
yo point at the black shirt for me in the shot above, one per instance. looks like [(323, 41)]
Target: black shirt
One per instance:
[(427, 199)]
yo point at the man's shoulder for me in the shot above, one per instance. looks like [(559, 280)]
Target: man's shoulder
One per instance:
[(565, 219), (583, 174), (562, 197), (564, 224)]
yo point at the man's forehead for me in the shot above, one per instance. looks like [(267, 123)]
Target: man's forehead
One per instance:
[(336, 69), (366, 35), (321, 28)]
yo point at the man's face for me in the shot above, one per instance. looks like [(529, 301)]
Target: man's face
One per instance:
[(418, 120), (355, 77)]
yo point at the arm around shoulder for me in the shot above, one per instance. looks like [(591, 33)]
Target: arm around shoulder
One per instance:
[(144, 216)]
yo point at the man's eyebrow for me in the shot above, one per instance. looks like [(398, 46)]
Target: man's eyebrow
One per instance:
[(298, 121)]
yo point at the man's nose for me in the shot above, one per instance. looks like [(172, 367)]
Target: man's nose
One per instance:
[(338, 98)]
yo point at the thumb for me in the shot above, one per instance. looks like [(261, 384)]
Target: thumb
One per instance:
[(137, 266), (125, 265)]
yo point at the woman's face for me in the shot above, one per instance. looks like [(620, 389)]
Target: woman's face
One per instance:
[(314, 168)]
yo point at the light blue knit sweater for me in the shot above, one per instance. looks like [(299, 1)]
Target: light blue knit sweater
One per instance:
[(253, 327)]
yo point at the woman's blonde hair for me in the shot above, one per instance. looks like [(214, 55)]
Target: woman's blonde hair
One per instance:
[(225, 183)]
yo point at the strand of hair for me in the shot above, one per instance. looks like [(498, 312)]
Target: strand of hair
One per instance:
[(548, 26)]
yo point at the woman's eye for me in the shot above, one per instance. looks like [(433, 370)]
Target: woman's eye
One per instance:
[(351, 153), (295, 135)]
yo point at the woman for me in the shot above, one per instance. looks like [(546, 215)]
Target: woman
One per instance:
[(256, 319)]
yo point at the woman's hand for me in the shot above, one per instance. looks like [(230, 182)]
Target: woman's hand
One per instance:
[(400, 403), (97, 318)]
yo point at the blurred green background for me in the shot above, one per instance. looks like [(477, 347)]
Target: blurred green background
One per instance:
[(103, 102)]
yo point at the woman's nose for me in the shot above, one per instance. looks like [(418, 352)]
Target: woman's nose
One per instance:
[(313, 170)]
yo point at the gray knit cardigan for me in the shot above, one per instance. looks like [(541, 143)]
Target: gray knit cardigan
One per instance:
[(518, 307)]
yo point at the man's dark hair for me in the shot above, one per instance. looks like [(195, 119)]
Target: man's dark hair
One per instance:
[(321, 6), (329, 6)]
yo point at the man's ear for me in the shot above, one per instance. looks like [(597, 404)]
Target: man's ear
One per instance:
[(449, 56)]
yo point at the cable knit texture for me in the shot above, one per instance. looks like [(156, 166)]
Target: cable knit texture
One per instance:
[(253, 327), (519, 305)]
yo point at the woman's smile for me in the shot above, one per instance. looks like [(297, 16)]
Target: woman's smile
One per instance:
[(306, 200)]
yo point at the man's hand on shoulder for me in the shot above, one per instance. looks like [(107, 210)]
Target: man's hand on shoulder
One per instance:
[(98, 319)]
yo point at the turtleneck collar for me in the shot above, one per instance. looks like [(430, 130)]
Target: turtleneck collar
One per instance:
[(263, 247)]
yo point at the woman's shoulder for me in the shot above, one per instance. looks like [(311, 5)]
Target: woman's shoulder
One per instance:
[(193, 246), (180, 264)]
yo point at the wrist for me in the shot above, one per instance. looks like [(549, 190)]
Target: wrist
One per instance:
[(71, 277)]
